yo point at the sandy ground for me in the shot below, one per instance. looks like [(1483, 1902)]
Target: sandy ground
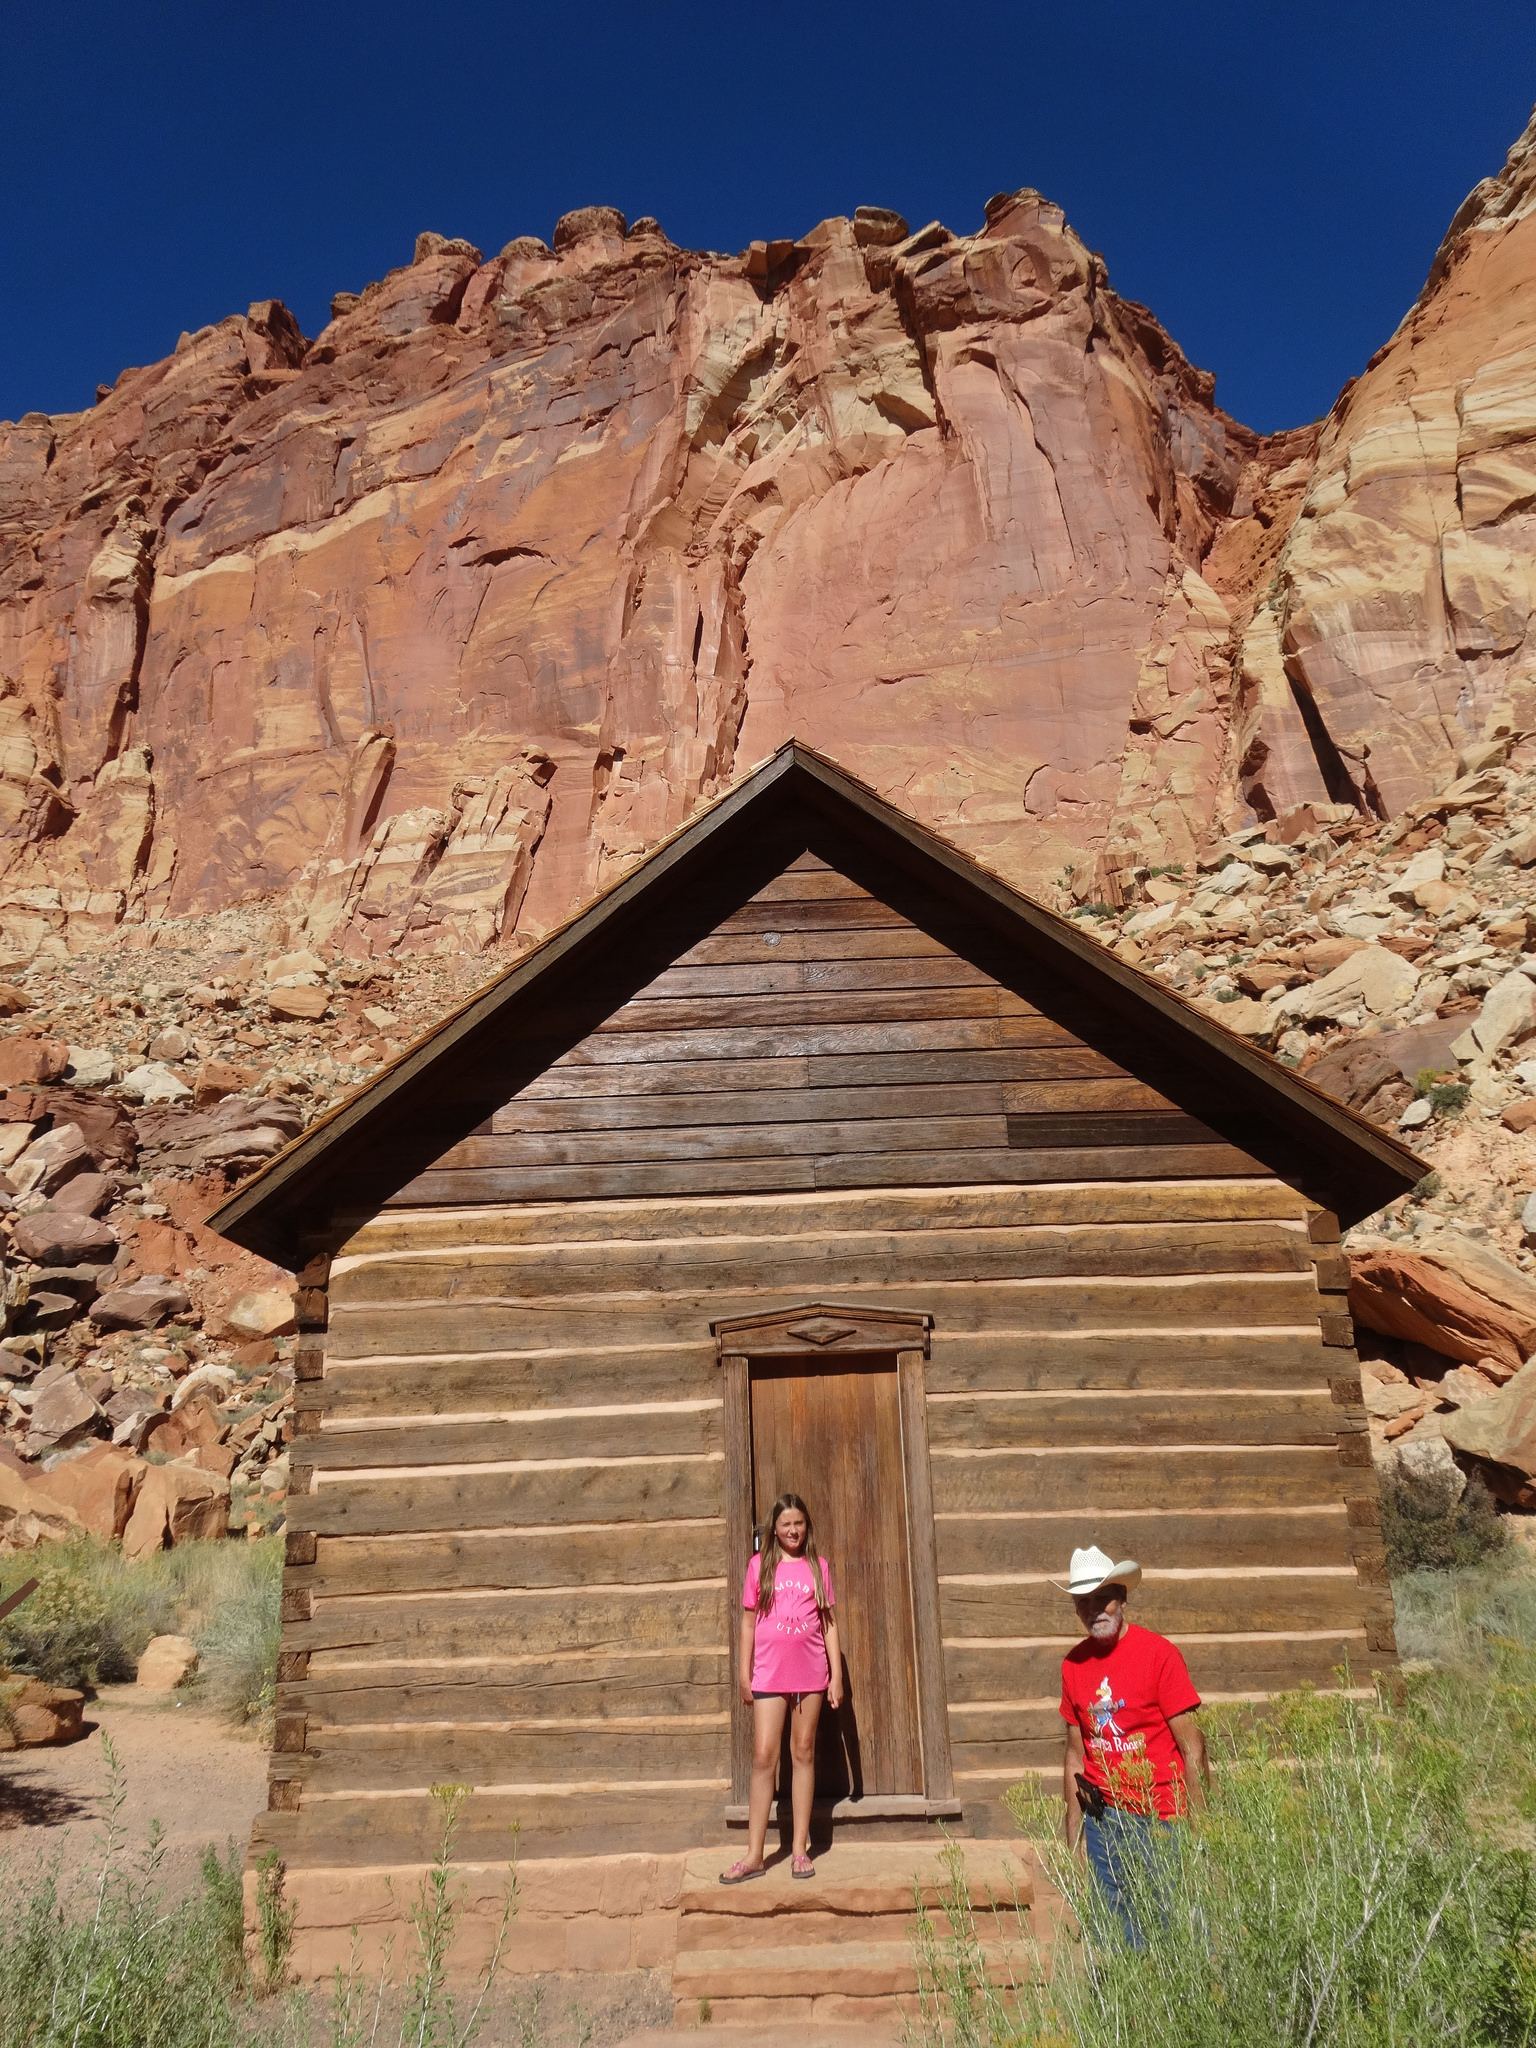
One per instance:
[(202, 1780)]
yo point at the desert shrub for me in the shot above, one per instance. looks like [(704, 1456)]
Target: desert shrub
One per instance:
[(95, 1610), (1427, 1524), (109, 1963), (66, 1633), (1461, 1619), (238, 1641), (1361, 1879)]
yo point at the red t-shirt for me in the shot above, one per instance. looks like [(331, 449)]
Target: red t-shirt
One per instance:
[(1123, 1700)]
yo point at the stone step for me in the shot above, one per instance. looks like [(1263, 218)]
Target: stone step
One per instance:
[(850, 1969), (757, 2023), (861, 1878), (829, 2021), (811, 1926)]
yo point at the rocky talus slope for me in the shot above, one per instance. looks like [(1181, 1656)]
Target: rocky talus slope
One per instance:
[(334, 671)]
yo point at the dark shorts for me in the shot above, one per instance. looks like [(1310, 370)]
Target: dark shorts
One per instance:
[(812, 1692)]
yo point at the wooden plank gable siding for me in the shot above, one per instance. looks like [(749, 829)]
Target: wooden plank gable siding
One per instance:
[(507, 1536), (817, 1039)]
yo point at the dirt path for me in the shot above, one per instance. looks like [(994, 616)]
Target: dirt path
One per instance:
[(187, 1769)]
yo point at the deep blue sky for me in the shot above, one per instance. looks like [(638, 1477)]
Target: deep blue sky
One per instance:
[(1272, 177)]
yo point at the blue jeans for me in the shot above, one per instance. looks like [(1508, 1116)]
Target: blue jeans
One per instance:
[(1119, 1845)]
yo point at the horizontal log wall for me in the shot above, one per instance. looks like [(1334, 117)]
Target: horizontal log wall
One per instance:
[(820, 1038), (507, 1552)]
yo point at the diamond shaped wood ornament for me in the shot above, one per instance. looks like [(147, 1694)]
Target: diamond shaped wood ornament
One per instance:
[(823, 1330)]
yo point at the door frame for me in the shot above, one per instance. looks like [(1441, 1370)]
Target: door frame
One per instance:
[(830, 1332)]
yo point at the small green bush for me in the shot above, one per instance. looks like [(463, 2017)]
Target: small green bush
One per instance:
[(95, 1610), (1427, 1526), (1449, 1098), (67, 1634), (1229, 995)]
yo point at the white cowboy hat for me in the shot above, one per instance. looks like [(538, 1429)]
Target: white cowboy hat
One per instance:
[(1091, 1569)]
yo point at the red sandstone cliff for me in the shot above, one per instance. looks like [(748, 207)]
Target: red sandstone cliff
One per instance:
[(430, 625)]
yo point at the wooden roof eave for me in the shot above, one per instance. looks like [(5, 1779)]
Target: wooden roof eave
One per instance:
[(265, 1214)]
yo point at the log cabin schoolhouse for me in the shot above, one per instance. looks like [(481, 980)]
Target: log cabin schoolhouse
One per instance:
[(810, 1155)]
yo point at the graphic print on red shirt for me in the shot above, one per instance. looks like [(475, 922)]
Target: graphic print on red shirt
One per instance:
[(1123, 1700), (789, 1651)]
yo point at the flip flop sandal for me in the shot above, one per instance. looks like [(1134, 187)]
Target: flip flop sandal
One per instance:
[(739, 1873), (802, 1866)]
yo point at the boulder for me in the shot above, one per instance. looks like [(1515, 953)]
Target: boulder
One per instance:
[(1430, 1458), (86, 1195), (216, 1079), (1502, 1429), (39, 1716), (26, 1060), (14, 1140), (30, 1515), (191, 1422), (1408, 1294), (213, 1382), (1245, 1018), (49, 1161), (104, 1123), (1374, 978), (166, 1662), (288, 964), (171, 1044), (143, 1306), (260, 1143), (1352, 1071), (1464, 1384), (175, 1505), (90, 1067), (101, 1486), (155, 1083), (1385, 1403), (216, 1458), (266, 1313), (128, 1408), (297, 1005), (1477, 1266), (56, 1237), (63, 1413), (1508, 1011)]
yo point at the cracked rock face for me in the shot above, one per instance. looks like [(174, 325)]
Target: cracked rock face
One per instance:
[(432, 626), (428, 628)]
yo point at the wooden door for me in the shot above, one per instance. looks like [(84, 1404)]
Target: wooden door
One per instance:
[(834, 1437)]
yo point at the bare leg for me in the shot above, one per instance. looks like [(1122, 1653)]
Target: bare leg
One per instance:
[(802, 1756), (767, 1735)]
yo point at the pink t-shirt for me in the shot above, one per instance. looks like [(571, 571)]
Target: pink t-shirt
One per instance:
[(789, 1652)]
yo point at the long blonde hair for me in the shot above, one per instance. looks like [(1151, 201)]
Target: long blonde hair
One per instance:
[(769, 1556)]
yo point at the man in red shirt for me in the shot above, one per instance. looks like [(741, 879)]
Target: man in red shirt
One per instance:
[(1135, 1757)]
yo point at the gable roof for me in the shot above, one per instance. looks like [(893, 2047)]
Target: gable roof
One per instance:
[(370, 1144)]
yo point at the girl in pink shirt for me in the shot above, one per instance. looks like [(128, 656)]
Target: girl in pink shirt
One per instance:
[(789, 1660)]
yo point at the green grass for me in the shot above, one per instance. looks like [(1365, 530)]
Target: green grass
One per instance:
[(95, 1610), (110, 1962), (1363, 1877)]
